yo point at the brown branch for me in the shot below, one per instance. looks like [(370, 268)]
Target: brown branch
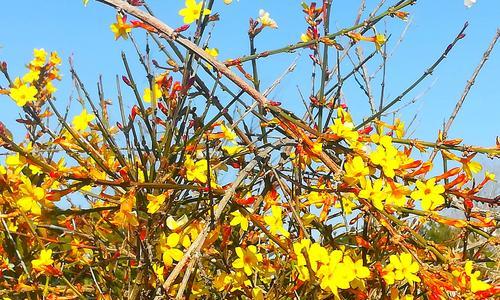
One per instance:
[(467, 88)]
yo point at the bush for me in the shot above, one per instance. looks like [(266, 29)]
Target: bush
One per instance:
[(206, 188)]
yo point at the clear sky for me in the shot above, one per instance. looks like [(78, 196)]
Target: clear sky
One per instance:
[(83, 33)]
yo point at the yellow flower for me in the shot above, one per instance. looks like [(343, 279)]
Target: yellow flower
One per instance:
[(44, 260), (399, 128), (317, 197), (196, 170), (346, 203), (227, 2), (345, 130), (379, 41), (275, 221), (125, 216), (374, 193), (355, 170), (299, 248), (266, 20), (167, 246), (30, 197), (248, 259), (14, 160), (360, 271), (55, 59), (121, 28), (192, 11), (174, 225), (476, 285), (257, 293), (336, 274), (305, 38), (149, 95), (50, 88), (233, 149), (23, 94), (155, 202), (159, 272), (214, 52), (429, 193), (81, 122), (386, 157), (471, 166), (239, 219), (229, 134), (40, 55), (317, 148), (31, 76), (402, 267), (396, 194)]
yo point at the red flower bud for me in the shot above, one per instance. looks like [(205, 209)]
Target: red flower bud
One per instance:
[(182, 28), (468, 203), (135, 111), (136, 2), (126, 80)]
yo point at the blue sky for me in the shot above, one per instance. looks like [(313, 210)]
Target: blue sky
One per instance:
[(83, 33)]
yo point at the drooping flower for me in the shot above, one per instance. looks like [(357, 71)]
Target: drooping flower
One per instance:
[(192, 11)]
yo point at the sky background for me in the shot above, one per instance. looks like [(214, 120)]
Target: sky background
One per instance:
[(71, 29)]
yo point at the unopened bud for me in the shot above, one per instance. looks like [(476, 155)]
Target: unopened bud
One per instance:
[(126, 80), (182, 28), (136, 2)]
